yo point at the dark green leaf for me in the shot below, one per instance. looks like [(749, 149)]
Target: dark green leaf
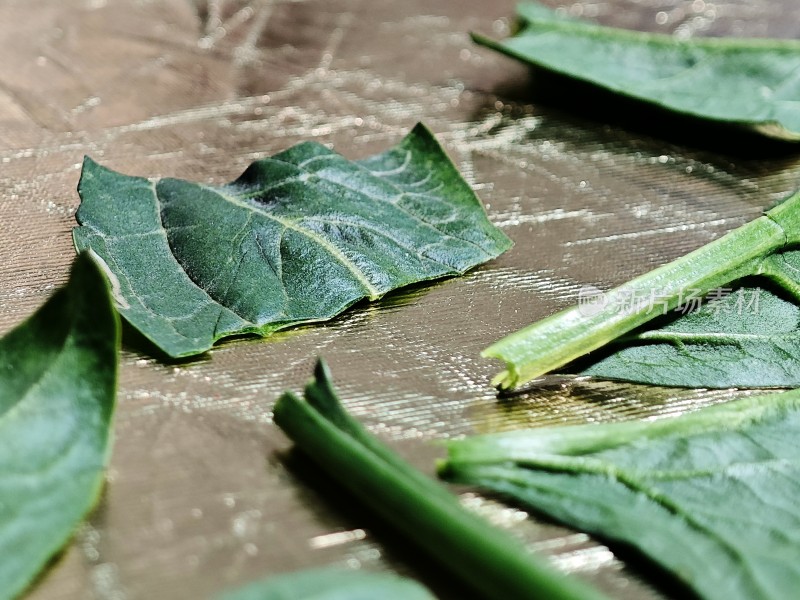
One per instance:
[(750, 82), (710, 496), (58, 375), (331, 584), (748, 338), (298, 237)]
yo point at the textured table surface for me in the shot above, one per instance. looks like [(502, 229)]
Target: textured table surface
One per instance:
[(200, 497)]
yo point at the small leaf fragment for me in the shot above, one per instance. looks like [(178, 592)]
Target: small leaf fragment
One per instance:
[(331, 584), (747, 82), (710, 496), (58, 375), (299, 237)]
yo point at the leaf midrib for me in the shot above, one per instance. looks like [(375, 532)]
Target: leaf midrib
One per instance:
[(372, 292), (337, 254), (131, 289)]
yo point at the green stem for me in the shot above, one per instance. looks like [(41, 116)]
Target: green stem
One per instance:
[(479, 555), (572, 333)]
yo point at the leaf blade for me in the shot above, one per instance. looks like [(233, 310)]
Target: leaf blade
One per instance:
[(57, 387), (250, 256), (747, 82), (709, 496)]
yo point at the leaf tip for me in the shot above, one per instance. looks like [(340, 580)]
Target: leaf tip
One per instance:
[(89, 162), (89, 167), (482, 40), (322, 372)]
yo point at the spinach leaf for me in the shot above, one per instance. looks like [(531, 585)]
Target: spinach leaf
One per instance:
[(58, 373), (331, 584), (748, 82), (757, 348), (483, 559), (711, 496), (297, 238)]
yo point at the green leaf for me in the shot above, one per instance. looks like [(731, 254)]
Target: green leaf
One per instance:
[(747, 338), (331, 584), (749, 82), (467, 549), (757, 348), (710, 496), (58, 373), (297, 238)]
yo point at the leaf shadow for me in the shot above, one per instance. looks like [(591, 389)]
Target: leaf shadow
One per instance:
[(584, 100), (95, 515), (404, 557), (559, 400), (134, 341), (361, 310), (398, 552), (648, 571)]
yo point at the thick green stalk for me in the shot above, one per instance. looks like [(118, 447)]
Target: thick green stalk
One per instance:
[(572, 333), (463, 545)]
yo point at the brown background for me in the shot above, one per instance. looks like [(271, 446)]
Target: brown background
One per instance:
[(199, 497)]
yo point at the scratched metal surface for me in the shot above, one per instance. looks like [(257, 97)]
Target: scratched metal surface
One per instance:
[(199, 497)]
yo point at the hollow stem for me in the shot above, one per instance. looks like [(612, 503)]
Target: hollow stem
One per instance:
[(601, 318), (464, 546)]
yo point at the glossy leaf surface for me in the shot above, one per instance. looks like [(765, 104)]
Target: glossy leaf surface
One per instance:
[(297, 238), (710, 496), (58, 375)]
